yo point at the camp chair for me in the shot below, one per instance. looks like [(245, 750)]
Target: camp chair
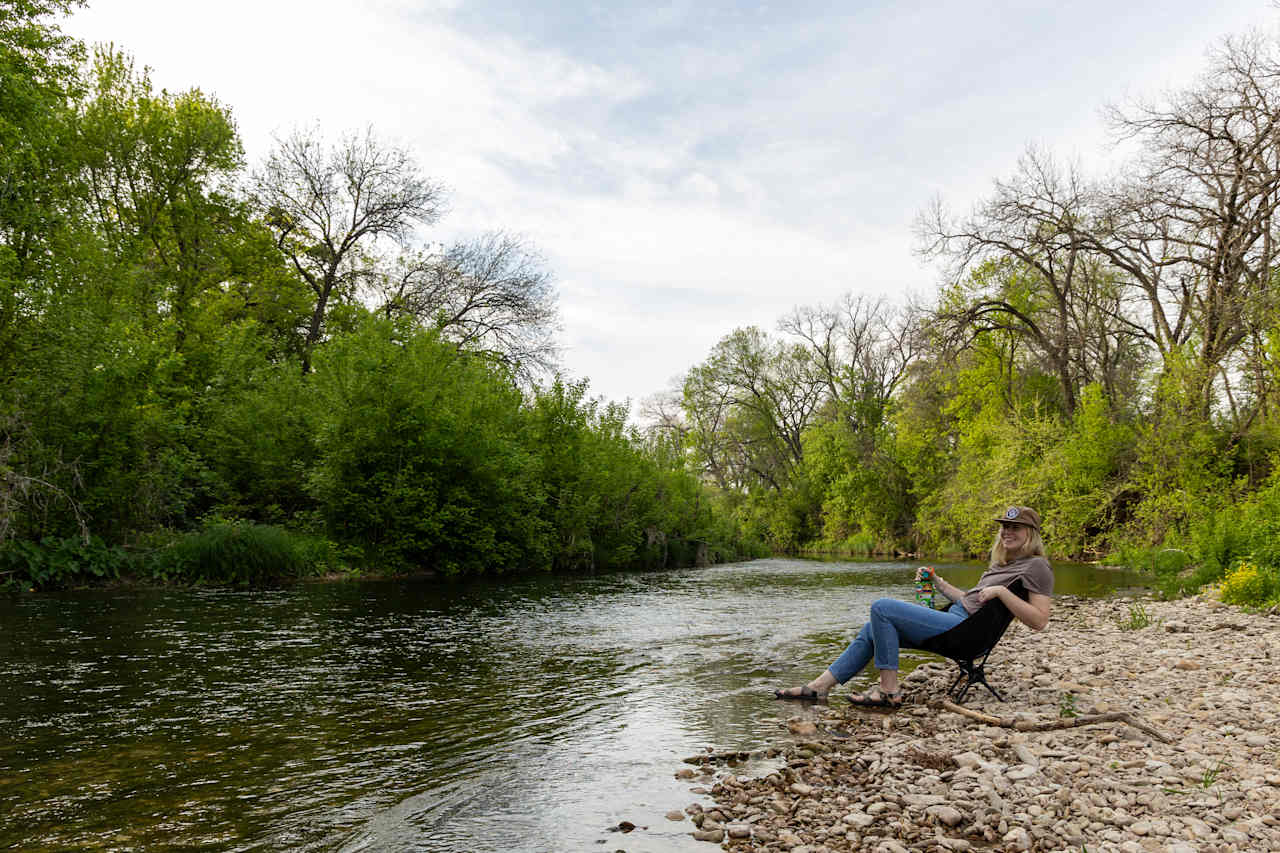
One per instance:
[(970, 643)]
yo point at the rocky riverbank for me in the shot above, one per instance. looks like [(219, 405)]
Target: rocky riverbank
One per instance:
[(1203, 676)]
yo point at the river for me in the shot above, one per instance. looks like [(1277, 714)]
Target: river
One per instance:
[(529, 714)]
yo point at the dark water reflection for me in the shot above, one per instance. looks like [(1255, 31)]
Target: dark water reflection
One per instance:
[(525, 715)]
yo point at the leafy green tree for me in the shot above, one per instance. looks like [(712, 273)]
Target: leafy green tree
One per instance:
[(748, 406), (38, 80), (420, 454)]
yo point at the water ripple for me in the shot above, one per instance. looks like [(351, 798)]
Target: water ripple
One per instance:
[(527, 715)]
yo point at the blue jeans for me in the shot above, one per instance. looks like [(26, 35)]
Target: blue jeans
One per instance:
[(893, 623)]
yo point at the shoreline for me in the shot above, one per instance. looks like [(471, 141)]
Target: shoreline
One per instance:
[(1203, 674)]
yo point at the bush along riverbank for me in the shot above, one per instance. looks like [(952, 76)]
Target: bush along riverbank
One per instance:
[(1127, 727), (222, 552), (245, 554)]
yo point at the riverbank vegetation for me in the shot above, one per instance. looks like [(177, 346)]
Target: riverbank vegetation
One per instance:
[(1104, 348), (211, 368), (219, 372)]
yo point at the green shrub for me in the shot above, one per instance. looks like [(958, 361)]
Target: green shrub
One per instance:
[(1251, 585), (424, 465), (862, 544), (54, 562), (234, 552)]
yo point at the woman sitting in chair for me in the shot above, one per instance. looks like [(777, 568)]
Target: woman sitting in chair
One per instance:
[(1018, 552)]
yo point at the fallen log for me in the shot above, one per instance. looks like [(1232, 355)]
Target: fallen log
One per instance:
[(1053, 725)]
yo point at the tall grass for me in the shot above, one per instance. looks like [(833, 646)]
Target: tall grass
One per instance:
[(237, 553)]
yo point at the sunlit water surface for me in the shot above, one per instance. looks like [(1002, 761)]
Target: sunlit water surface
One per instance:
[(525, 715)]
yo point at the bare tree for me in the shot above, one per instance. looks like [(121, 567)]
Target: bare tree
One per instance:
[(861, 349), (330, 204), (491, 295), (663, 414), (1195, 228), (1023, 263)]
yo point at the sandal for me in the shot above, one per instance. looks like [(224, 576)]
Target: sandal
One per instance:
[(805, 694), (877, 698)]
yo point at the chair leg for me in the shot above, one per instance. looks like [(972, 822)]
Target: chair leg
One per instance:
[(984, 683), (970, 674)]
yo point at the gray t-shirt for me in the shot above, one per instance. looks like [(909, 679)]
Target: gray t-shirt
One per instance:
[(1036, 574)]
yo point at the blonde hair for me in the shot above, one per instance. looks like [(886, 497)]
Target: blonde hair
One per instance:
[(1033, 548)]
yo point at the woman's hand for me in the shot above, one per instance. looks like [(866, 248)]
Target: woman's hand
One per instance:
[(951, 593), (1034, 612), (989, 592)]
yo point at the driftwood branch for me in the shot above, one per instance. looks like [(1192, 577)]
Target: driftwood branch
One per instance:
[(1053, 725)]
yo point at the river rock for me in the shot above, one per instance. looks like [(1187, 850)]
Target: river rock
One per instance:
[(675, 815), (946, 814), (1018, 839), (1212, 785), (1025, 755), (715, 836)]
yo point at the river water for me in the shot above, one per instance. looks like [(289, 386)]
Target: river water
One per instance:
[(531, 714)]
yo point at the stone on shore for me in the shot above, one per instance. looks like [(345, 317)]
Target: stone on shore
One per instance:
[(926, 779)]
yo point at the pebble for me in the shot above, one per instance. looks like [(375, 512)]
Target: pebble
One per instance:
[(1018, 839), (946, 814), (803, 728), (924, 779)]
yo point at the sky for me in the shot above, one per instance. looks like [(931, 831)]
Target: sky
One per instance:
[(688, 168)]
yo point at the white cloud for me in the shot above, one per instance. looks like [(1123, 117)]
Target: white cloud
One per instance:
[(694, 167)]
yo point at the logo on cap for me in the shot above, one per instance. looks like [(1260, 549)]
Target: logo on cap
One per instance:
[(1011, 512)]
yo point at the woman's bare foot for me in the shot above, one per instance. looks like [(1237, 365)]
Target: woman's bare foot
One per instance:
[(803, 692)]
